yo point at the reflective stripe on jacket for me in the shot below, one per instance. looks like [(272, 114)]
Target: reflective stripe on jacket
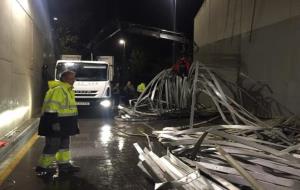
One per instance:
[(60, 99), (59, 108)]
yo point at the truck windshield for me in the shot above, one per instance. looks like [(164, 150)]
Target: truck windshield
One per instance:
[(84, 71)]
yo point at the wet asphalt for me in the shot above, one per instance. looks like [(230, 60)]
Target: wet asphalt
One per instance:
[(104, 151)]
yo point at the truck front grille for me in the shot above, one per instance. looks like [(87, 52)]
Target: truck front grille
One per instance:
[(85, 93), (77, 95)]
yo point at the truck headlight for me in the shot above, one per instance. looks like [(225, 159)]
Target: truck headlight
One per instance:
[(105, 103)]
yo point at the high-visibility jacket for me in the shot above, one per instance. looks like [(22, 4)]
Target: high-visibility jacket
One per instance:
[(60, 99), (59, 108), (141, 87)]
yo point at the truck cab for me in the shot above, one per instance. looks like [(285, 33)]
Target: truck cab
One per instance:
[(92, 86)]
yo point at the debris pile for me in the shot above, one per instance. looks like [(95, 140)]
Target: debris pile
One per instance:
[(203, 92), (250, 148)]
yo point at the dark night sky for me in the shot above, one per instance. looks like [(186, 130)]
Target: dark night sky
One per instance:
[(86, 18)]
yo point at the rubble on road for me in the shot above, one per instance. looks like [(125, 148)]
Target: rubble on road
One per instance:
[(255, 145)]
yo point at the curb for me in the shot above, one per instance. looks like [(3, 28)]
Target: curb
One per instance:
[(23, 134)]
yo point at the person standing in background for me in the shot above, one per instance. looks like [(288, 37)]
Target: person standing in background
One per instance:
[(129, 92), (141, 87), (116, 93)]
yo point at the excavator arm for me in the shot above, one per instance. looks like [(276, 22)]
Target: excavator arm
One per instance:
[(116, 27)]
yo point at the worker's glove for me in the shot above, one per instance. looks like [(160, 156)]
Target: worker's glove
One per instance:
[(56, 127)]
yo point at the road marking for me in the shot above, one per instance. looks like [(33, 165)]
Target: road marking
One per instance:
[(16, 159)]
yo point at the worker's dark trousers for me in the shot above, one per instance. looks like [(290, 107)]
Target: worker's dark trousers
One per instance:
[(53, 144)]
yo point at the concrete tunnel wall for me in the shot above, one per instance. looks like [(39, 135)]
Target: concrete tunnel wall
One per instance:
[(257, 37), (25, 45)]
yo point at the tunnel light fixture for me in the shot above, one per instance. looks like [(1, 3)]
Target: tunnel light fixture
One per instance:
[(122, 41)]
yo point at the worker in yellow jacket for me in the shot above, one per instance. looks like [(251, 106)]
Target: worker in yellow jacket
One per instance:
[(141, 87), (57, 124)]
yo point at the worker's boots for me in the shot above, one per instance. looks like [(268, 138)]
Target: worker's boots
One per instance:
[(45, 171), (68, 168)]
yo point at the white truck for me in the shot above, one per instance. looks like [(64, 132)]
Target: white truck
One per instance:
[(92, 86)]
